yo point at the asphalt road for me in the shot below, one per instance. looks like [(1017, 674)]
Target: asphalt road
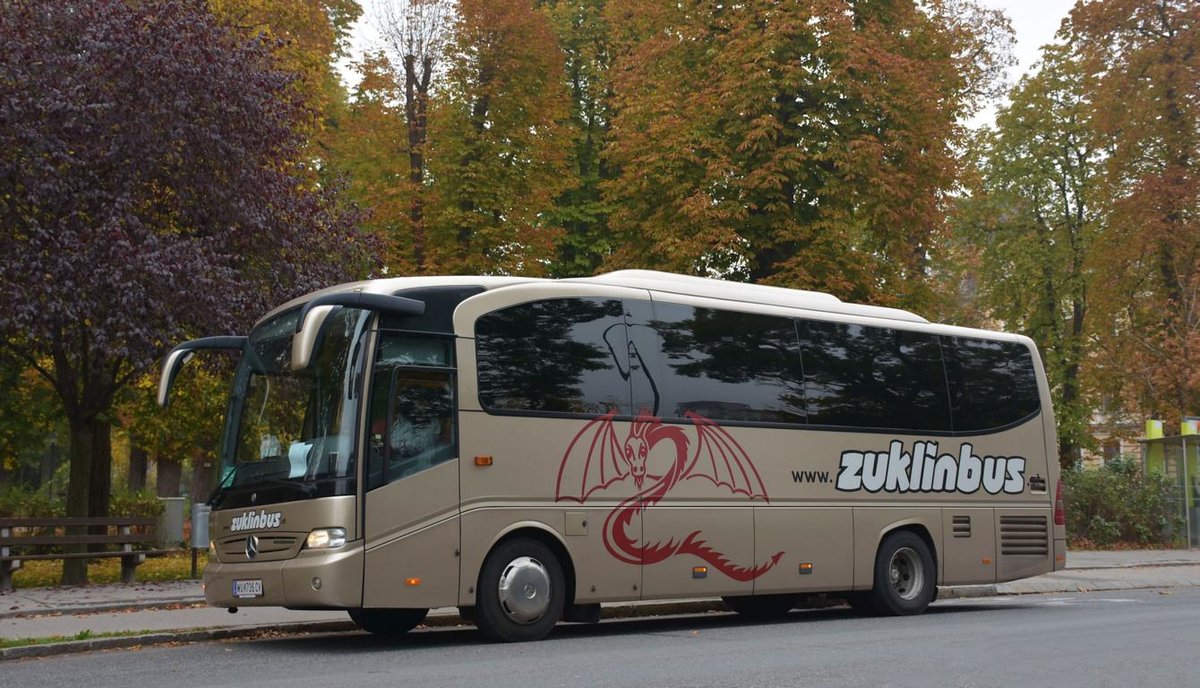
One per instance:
[(1131, 638)]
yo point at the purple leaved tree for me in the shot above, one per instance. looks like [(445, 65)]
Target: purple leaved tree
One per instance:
[(151, 189)]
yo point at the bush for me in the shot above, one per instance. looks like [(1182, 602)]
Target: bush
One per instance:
[(17, 501), (1119, 504), (131, 504)]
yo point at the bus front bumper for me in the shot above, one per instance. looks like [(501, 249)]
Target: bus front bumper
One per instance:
[(314, 579)]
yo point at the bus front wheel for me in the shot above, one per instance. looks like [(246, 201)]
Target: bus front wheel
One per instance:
[(905, 576), (387, 622), (521, 592)]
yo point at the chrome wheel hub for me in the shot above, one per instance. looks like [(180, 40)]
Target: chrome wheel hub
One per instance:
[(906, 572), (524, 590)]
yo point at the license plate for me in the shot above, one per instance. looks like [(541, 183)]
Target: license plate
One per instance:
[(247, 588)]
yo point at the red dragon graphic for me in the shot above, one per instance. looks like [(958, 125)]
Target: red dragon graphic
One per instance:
[(596, 459)]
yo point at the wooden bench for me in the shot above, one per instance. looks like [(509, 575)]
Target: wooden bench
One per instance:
[(18, 536)]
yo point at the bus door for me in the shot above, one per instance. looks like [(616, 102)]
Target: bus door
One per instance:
[(411, 501)]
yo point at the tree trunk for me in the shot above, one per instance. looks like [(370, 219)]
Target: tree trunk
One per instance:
[(78, 490), (138, 463), (202, 475), (416, 100), (100, 483), (170, 472)]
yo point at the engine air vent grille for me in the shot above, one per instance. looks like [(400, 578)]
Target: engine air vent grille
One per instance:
[(1024, 536), (962, 526)]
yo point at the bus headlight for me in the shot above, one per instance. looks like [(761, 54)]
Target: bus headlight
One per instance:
[(324, 538)]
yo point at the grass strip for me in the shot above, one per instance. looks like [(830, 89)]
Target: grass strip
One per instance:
[(6, 643), (170, 567)]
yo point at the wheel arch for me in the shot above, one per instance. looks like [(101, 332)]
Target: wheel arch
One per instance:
[(916, 525), (549, 537)]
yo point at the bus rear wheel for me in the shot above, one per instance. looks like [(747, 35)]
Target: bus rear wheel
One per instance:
[(905, 576), (387, 622), (521, 592)]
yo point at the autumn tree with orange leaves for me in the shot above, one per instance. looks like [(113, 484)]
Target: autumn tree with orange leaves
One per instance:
[(803, 144), (1143, 57), (498, 142)]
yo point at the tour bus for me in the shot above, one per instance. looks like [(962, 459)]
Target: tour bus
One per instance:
[(528, 449)]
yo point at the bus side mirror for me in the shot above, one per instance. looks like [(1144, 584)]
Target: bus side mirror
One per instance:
[(313, 315), (183, 353), (304, 341)]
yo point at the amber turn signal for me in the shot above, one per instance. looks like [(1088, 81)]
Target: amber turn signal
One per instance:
[(483, 460), (412, 582)]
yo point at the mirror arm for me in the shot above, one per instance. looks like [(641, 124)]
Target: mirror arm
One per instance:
[(180, 354), (380, 303)]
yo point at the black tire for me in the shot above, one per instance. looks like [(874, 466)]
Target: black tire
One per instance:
[(761, 606), (521, 592), (905, 576), (387, 622)]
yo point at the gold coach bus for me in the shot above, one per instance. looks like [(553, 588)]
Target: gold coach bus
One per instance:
[(527, 449)]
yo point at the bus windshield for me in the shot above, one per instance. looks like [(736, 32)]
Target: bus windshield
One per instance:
[(290, 434)]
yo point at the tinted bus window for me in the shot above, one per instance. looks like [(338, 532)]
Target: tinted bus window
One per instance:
[(727, 366), (873, 377), (559, 355), (992, 384)]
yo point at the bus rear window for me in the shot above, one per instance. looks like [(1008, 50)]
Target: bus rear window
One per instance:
[(992, 384)]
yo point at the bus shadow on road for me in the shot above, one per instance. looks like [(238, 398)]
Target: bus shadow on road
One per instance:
[(467, 635)]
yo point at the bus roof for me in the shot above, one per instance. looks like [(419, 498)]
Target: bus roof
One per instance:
[(650, 280), (671, 283)]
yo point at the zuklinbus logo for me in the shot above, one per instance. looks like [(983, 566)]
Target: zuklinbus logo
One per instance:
[(253, 521), (923, 470)]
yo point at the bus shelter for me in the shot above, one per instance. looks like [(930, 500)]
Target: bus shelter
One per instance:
[(1178, 458)]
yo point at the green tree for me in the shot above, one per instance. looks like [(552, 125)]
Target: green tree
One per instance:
[(580, 210), (1033, 218), (807, 144), (370, 149), (498, 150), (29, 417)]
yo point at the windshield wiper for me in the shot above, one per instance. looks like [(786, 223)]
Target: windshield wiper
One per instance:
[(304, 487)]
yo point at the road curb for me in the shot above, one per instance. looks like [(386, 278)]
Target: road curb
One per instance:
[(168, 603), (229, 633), (166, 637), (964, 591)]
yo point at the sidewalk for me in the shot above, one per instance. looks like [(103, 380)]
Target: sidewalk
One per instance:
[(160, 612)]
